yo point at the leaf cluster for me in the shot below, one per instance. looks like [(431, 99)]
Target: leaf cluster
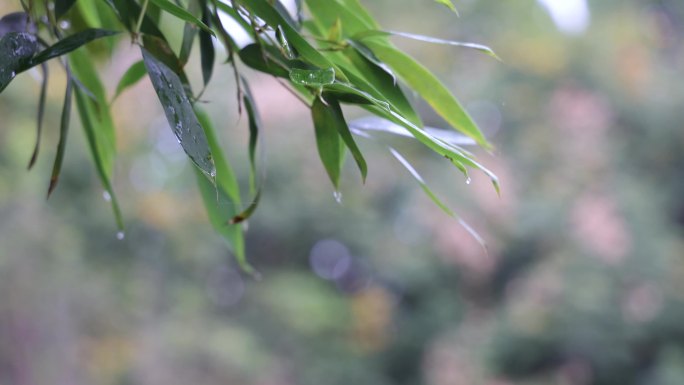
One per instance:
[(338, 55)]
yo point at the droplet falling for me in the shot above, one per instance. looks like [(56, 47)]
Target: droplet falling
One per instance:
[(468, 180), (120, 235), (338, 197)]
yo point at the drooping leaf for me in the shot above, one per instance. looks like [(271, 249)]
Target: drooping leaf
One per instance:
[(189, 33), (435, 199), (181, 14), (449, 4), (222, 199), (254, 128), (40, 114), (133, 74), (62, 7), (313, 78), (93, 109), (63, 133), (16, 50), (247, 213), (430, 88), (69, 44), (179, 112), (428, 39), (328, 140), (336, 118), (376, 124), (207, 51)]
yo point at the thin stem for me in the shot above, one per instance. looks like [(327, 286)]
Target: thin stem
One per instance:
[(141, 17)]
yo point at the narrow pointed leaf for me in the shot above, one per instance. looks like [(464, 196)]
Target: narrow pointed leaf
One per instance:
[(243, 216), (269, 60), (327, 140), (132, 76), (41, 113), (436, 199), (254, 128), (189, 33), (70, 43), (63, 133), (181, 14), (430, 88), (428, 39), (449, 4), (336, 118), (207, 53), (222, 198), (179, 112), (16, 50)]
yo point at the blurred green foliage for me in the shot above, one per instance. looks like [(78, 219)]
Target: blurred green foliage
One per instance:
[(582, 283)]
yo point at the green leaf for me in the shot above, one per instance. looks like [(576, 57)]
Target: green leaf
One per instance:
[(62, 7), (16, 50), (222, 199), (328, 140), (435, 199), (335, 32), (63, 133), (181, 14), (254, 128), (69, 44), (207, 52), (268, 60), (336, 118), (96, 120), (313, 78), (132, 75), (430, 88), (284, 44), (428, 39), (179, 112), (449, 4), (247, 213), (41, 114)]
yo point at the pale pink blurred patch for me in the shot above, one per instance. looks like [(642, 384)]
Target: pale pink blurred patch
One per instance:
[(276, 103), (642, 303), (600, 227)]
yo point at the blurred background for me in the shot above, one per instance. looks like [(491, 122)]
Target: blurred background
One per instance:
[(583, 282)]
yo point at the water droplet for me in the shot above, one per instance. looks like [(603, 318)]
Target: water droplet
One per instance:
[(106, 196), (13, 74), (64, 24), (468, 180), (212, 173), (338, 197), (120, 235)]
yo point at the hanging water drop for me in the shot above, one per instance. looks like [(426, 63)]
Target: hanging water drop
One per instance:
[(468, 180), (338, 197), (120, 235), (106, 196), (64, 24)]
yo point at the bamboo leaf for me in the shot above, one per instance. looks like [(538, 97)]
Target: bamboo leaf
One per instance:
[(328, 140), (63, 133), (179, 113), (62, 7), (16, 51), (428, 39), (69, 44), (41, 114), (207, 52), (449, 4), (181, 14), (132, 76)]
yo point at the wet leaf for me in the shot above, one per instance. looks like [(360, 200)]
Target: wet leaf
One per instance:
[(69, 44), (313, 78), (16, 51), (328, 140), (428, 39), (336, 118), (430, 88), (181, 14), (284, 44), (179, 112), (132, 75), (63, 133), (222, 199)]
